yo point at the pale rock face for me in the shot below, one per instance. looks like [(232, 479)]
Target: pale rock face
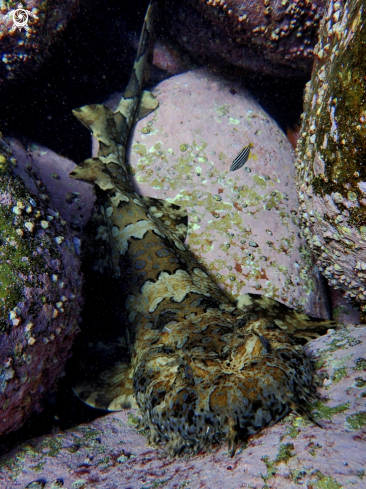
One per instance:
[(109, 452), (331, 151), (243, 225)]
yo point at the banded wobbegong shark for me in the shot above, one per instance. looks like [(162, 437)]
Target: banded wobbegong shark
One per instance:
[(202, 369)]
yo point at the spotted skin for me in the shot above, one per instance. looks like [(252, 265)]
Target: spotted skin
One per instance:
[(202, 368)]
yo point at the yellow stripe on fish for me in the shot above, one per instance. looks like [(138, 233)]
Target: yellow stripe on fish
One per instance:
[(202, 368)]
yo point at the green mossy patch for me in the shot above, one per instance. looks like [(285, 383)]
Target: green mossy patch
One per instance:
[(325, 482), (16, 252), (360, 382), (356, 421), (133, 420), (320, 364), (339, 374), (326, 412), (296, 423), (342, 342), (271, 468), (339, 119), (337, 311), (360, 364), (286, 451)]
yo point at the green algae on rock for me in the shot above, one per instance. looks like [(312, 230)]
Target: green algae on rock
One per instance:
[(40, 299), (331, 172)]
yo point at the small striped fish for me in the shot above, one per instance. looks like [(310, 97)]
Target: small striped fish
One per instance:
[(241, 159)]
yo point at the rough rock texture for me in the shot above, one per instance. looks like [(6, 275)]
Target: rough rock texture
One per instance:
[(109, 453), (72, 198), (21, 50), (331, 174), (275, 37), (167, 59), (342, 310), (40, 294), (243, 225)]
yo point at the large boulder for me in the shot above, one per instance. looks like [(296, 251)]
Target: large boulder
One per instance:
[(331, 172), (40, 290), (243, 225), (276, 38)]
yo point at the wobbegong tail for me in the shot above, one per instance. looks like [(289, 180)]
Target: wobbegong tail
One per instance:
[(111, 129), (141, 68)]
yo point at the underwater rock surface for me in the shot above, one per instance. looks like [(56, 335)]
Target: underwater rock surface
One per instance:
[(40, 293), (275, 38), (331, 172), (243, 225), (21, 50), (109, 453), (72, 198)]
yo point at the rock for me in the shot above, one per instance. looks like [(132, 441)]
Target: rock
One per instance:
[(342, 311), (109, 453), (293, 134), (72, 198), (331, 152), (243, 225), (166, 59), (276, 38), (40, 293), (23, 50)]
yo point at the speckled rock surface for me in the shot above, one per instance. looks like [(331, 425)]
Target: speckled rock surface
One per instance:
[(109, 453), (269, 37), (331, 174), (343, 311), (21, 50), (40, 294), (243, 225), (72, 198)]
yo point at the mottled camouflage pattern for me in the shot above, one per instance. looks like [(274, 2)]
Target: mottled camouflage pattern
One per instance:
[(203, 369)]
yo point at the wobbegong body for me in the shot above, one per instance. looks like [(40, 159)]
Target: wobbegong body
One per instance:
[(202, 368)]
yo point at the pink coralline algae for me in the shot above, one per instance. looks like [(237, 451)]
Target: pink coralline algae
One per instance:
[(268, 37), (243, 225), (21, 49), (110, 453), (331, 151), (40, 292)]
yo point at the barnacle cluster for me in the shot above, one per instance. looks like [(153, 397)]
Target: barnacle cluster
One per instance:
[(275, 37), (40, 300), (331, 175)]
